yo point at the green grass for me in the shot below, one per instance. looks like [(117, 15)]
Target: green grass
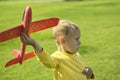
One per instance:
[(99, 22)]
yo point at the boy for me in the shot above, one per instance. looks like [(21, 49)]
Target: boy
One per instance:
[(66, 63)]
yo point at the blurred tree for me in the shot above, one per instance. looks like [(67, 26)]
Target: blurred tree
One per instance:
[(73, 0)]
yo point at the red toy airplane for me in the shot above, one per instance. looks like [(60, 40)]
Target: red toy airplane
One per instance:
[(26, 27)]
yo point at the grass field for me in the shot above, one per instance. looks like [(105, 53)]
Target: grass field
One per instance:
[(99, 22)]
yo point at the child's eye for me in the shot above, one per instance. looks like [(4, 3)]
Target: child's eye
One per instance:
[(77, 38)]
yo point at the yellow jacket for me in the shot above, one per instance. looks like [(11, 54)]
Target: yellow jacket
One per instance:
[(64, 65)]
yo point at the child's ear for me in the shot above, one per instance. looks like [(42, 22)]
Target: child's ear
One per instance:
[(62, 39)]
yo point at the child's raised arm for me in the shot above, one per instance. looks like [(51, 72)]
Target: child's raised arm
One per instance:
[(42, 56), (29, 41)]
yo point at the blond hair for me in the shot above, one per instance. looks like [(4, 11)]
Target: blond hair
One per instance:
[(64, 27)]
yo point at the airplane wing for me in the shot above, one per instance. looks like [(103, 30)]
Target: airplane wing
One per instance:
[(34, 27), (10, 33), (43, 24), (17, 60)]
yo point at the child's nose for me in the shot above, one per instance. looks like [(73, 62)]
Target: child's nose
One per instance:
[(79, 43)]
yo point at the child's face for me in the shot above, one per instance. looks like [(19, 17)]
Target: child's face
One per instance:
[(72, 42)]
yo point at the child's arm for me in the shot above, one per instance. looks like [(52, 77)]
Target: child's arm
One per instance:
[(88, 72), (40, 53)]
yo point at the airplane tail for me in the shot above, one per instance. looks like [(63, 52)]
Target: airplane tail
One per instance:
[(17, 58), (16, 53)]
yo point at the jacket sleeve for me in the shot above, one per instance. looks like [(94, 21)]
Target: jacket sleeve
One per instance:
[(47, 60)]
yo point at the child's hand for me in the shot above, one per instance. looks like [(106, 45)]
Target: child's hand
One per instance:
[(88, 72), (27, 40)]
